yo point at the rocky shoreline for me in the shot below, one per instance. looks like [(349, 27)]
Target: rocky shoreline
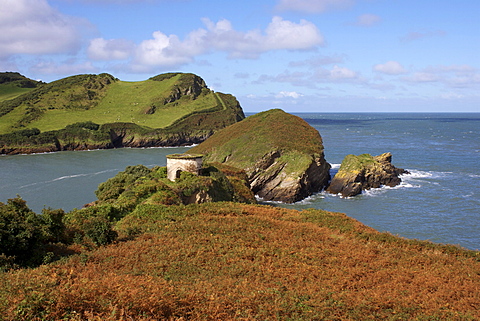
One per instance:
[(140, 143)]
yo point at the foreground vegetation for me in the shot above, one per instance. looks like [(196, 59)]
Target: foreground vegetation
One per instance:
[(233, 261)]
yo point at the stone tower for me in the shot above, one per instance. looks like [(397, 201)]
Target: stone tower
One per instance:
[(177, 163)]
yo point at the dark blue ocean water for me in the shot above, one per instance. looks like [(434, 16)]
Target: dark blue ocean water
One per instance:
[(438, 201)]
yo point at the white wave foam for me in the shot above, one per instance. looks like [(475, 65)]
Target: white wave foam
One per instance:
[(335, 166), (418, 174), (311, 199), (70, 176)]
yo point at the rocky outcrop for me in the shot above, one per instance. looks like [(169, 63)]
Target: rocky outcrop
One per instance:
[(363, 172), (281, 154), (190, 85)]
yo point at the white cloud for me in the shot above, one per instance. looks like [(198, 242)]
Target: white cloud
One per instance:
[(288, 94), (416, 35), (423, 77), (319, 60), (33, 27), (295, 78), (313, 6), (115, 49), (69, 67), (312, 78), (342, 73), (283, 34), (367, 20), (162, 50), (390, 68), (280, 34), (452, 76)]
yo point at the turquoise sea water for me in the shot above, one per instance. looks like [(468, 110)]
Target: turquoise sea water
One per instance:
[(438, 201)]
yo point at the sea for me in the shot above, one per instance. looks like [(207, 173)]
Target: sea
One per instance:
[(438, 201)]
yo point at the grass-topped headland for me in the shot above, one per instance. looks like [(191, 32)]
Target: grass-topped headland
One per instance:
[(165, 110), (281, 154)]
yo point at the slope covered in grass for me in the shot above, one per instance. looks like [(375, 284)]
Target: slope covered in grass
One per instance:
[(227, 261), (261, 133)]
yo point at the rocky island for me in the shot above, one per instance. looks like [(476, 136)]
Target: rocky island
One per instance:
[(363, 172)]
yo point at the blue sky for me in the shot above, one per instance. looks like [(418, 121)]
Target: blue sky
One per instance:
[(298, 55)]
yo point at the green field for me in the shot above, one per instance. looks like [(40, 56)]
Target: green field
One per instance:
[(10, 91), (99, 111), (127, 102), (119, 101)]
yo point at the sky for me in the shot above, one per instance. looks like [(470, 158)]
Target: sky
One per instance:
[(297, 55)]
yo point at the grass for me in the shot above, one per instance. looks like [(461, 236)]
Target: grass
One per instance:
[(118, 101), (166, 110), (10, 91), (353, 163), (272, 130), (230, 261)]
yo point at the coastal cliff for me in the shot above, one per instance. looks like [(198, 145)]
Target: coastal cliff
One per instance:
[(99, 111), (363, 172), (281, 154)]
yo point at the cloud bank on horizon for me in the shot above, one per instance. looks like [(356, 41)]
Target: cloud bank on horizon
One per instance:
[(298, 55)]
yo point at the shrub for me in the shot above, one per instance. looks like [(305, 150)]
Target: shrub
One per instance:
[(86, 125), (112, 188), (20, 233), (92, 225), (53, 224), (99, 231)]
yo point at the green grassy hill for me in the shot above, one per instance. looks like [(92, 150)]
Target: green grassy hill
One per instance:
[(172, 102)]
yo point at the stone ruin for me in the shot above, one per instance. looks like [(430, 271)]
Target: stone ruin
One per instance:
[(177, 163)]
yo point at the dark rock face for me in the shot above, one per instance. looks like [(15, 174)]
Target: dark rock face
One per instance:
[(271, 182), (363, 172)]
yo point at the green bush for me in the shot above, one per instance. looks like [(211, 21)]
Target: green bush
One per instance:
[(99, 231), (53, 224), (21, 233), (85, 125), (92, 225)]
